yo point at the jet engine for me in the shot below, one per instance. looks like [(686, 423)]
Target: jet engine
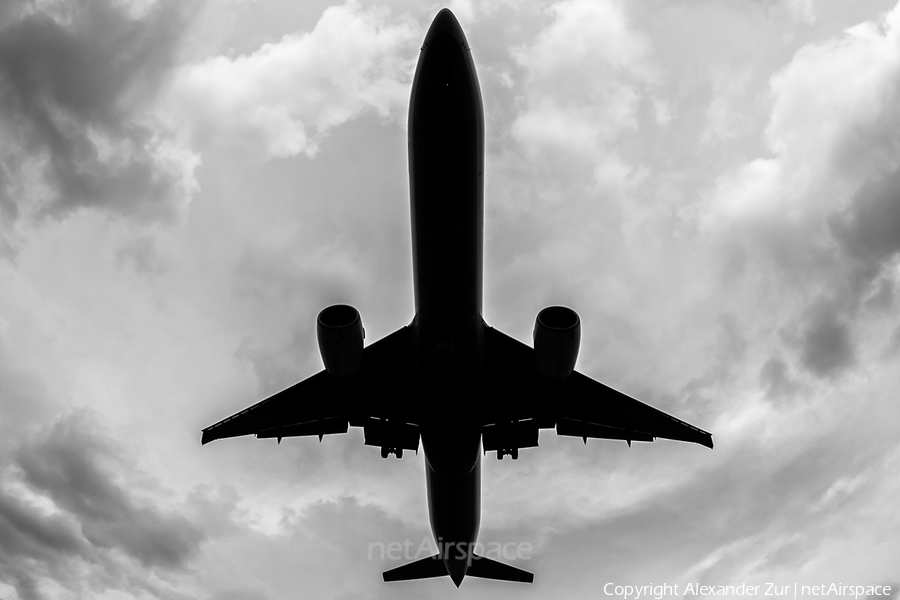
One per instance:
[(340, 333), (557, 336)]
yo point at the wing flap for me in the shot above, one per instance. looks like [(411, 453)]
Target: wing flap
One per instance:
[(329, 426), (312, 399), (584, 430), (384, 388), (391, 434), (583, 399), (504, 436), (516, 392), (513, 388)]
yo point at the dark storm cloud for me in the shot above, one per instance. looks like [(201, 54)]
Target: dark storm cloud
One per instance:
[(893, 345), (776, 380), (868, 236), (869, 230), (33, 543), (74, 507), (826, 347), (74, 87), (64, 465), (25, 532)]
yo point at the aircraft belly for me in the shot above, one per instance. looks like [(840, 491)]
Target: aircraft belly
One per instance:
[(454, 504), (446, 165)]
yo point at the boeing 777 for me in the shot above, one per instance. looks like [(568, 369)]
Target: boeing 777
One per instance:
[(448, 379)]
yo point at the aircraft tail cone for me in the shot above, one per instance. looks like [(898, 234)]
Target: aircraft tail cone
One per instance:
[(457, 570)]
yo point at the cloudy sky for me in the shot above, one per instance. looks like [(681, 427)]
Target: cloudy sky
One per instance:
[(713, 185)]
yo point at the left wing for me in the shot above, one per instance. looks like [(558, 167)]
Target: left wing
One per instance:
[(519, 400), (379, 397), (588, 408)]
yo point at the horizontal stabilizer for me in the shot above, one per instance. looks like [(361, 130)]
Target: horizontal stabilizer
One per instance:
[(425, 568), (485, 568)]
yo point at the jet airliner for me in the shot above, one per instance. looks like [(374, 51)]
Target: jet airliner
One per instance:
[(448, 379)]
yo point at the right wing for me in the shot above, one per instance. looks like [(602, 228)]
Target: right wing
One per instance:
[(379, 397), (519, 400)]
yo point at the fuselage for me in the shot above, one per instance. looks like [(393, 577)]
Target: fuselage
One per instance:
[(446, 180)]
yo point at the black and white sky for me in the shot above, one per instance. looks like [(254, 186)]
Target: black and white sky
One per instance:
[(713, 185)]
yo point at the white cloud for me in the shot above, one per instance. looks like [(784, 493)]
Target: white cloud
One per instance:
[(464, 10), (662, 112), (584, 74), (285, 97), (797, 10), (723, 119), (162, 329), (814, 226), (802, 10), (834, 124), (829, 91)]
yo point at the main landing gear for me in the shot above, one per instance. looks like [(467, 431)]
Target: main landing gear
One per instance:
[(386, 451), (514, 452)]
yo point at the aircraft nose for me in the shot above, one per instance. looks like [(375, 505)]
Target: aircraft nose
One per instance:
[(445, 22), (445, 18)]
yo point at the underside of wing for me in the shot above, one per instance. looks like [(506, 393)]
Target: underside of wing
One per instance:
[(588, 408), (519, 400), (313, 400), (512, 387), (379, 397)]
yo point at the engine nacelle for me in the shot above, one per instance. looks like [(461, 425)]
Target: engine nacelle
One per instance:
[(557, 336), (340, 333)]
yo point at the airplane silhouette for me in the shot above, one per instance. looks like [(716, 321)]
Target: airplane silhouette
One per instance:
[(448, 378)]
